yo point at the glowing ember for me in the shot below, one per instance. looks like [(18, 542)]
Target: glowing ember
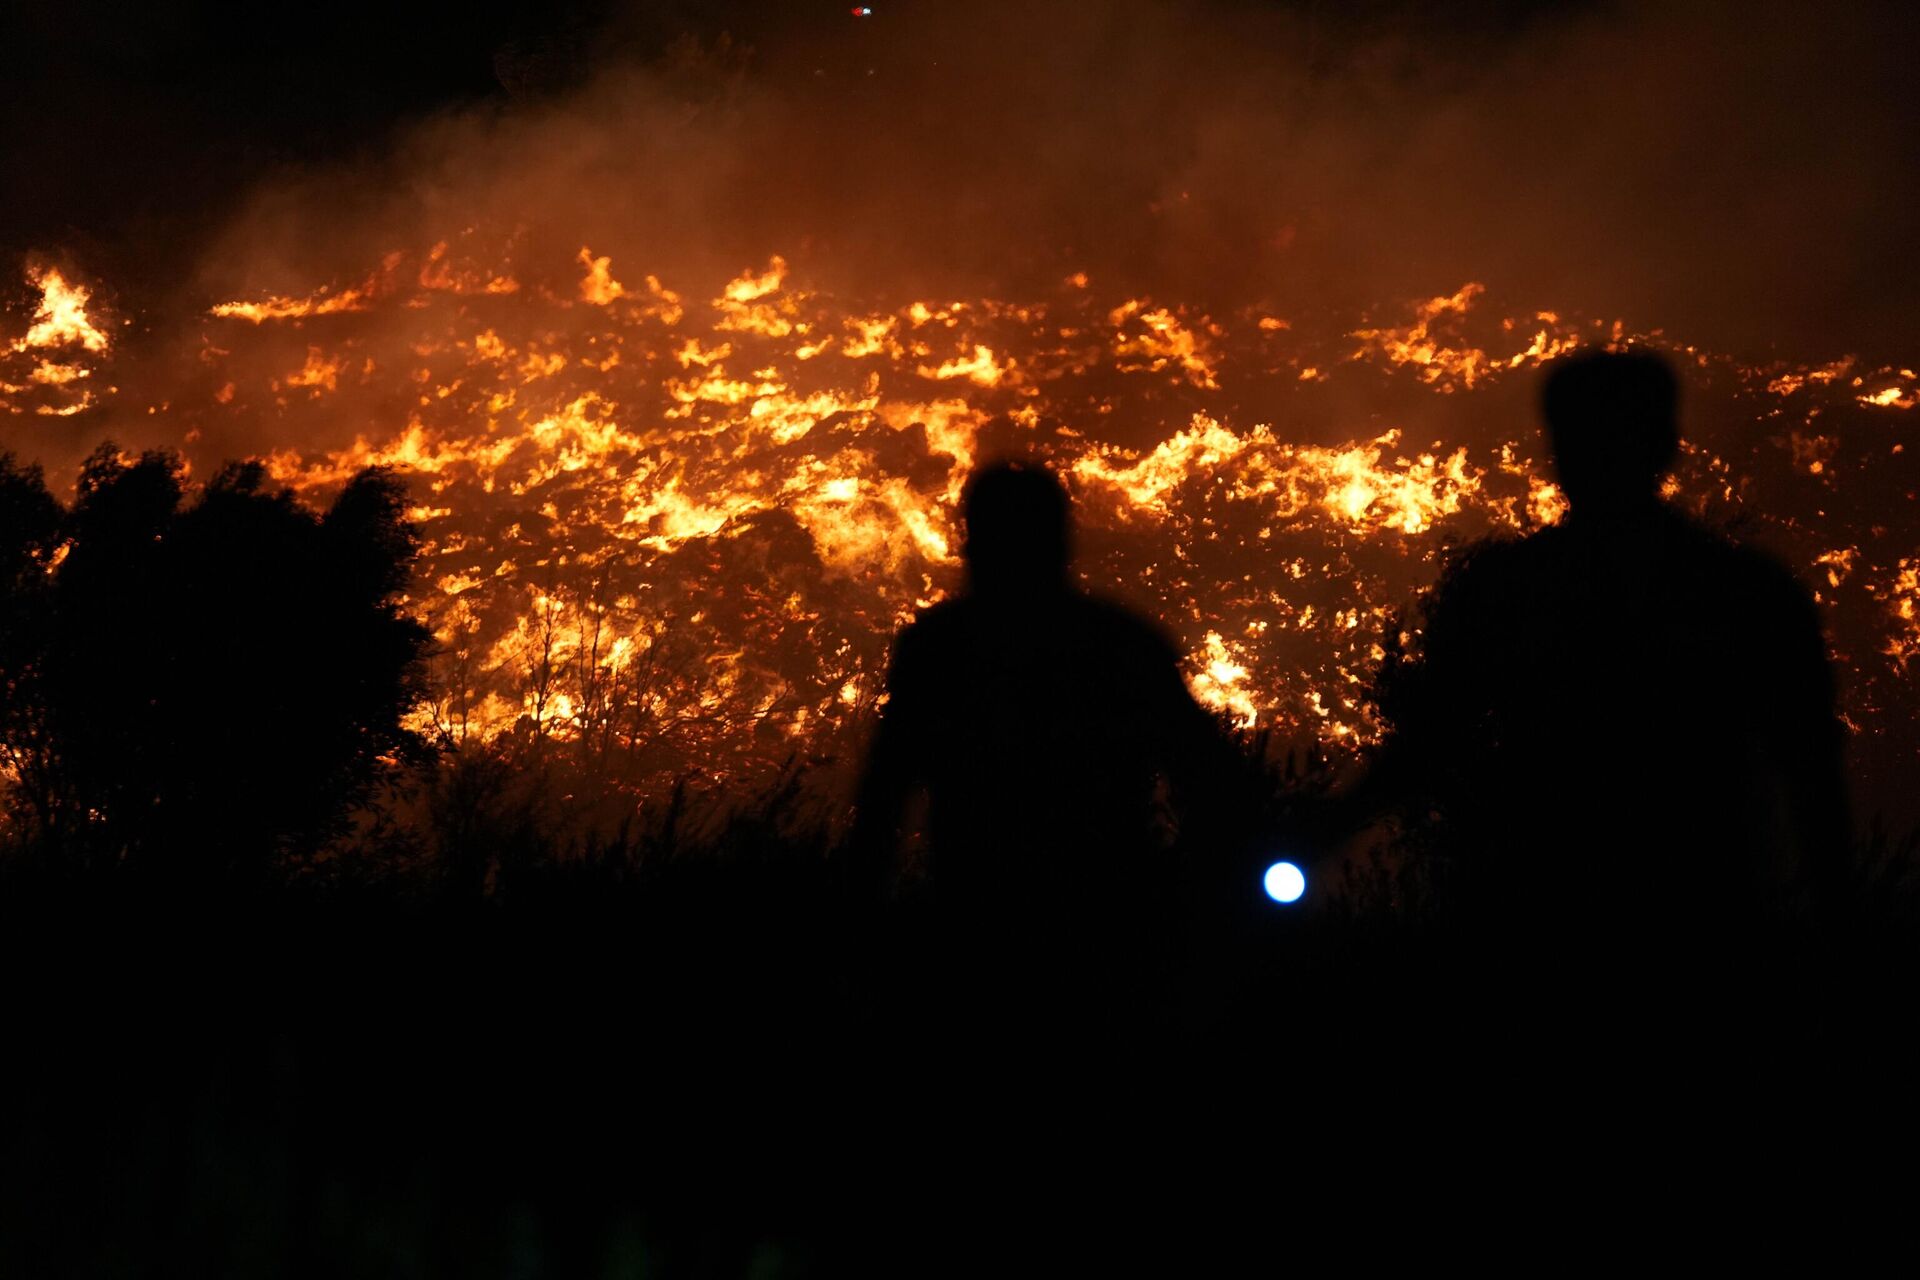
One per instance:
[(1903, 598)]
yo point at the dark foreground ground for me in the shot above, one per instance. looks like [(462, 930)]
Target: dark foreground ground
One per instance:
[(757, 1074)]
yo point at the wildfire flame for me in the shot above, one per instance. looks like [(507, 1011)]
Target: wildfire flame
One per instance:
[(682, 532), (60, 349)]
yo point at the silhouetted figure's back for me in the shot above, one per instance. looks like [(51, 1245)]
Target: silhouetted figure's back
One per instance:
[(1624, 720), (1040, 722)]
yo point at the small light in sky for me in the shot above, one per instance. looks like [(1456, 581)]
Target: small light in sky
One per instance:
[(862, 11), (1284, 882)]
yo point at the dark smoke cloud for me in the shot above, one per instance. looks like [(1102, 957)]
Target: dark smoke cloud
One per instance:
[(1743, 175)]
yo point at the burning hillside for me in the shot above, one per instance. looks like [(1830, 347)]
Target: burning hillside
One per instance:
[(675, 522), (685, 353)]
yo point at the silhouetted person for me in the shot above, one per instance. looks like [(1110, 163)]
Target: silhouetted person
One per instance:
[(1623, 722), (1039, 722)]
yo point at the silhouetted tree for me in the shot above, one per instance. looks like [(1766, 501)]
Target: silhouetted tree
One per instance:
[(30, 535), (193, 687)]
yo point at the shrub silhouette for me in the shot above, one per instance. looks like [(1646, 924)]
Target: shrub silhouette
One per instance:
[(193, 687)]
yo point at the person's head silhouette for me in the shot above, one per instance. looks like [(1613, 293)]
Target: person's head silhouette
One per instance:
[(1018, 530), (1613, 425)]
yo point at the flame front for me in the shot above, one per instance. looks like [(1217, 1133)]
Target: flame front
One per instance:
[(681, 533)]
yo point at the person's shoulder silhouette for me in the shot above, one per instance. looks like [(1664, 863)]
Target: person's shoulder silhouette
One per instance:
[(1037, 719), (1626, 696)]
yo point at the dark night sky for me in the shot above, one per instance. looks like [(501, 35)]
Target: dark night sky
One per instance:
[(127, 124)]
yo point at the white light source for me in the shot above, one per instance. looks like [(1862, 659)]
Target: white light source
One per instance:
[(1284, 882)]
